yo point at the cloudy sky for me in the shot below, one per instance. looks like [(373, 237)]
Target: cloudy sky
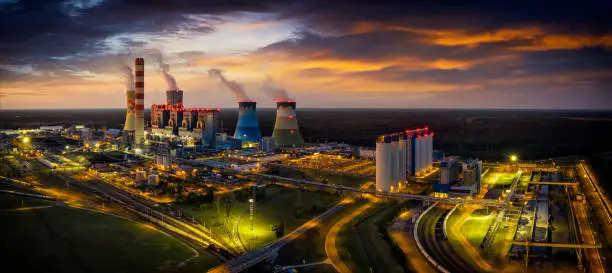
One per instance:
[(519, 54)]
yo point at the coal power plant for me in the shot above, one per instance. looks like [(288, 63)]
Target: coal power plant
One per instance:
[(247, 128), (286, 130)]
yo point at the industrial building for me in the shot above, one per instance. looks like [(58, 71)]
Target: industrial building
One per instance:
[(247, 128), (472, 170), (267, 144), (286, 130), (449, 170), (403, 154), (174, 98)]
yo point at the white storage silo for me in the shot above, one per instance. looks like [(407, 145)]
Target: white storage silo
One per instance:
[(394, 161), (403, 156), (383, 163)]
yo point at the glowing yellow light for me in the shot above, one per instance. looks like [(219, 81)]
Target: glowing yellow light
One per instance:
[(26, 140), (97, 144), (513, 158)]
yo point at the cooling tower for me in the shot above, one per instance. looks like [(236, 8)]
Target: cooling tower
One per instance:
[(247, 128), (139, 104), (129, 115), (286, 130)]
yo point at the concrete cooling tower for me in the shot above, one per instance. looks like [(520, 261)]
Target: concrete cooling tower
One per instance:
[(130, 114), (247, 128), (286, 130)]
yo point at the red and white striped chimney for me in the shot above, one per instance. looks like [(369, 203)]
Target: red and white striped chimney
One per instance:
[(139, 88)]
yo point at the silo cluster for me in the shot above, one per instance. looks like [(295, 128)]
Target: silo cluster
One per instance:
[(402, 154)]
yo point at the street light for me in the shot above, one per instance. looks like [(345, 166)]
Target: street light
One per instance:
[(26, 140), (513, 158)]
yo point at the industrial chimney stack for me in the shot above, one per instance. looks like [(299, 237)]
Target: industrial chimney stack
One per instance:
[(247, 128), (286, 130), (139, 104)]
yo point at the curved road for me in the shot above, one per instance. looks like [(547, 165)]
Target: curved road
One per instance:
[(432, 238)]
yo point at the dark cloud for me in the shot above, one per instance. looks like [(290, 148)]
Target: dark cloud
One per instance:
[(37, 29)]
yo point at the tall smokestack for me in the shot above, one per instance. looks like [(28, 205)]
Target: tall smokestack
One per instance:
[(247, 128), (286, 130), (139, 104)]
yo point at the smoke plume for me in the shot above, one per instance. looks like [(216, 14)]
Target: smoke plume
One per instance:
[(164, 69), (270, 87), (126, 74), (233, 86)]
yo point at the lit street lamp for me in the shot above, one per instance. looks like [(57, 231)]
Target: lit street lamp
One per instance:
[(513, 158)]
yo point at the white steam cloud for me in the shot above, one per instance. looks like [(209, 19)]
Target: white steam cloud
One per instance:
[(233, 86), (165, 70), (127, 74), (272, 89)]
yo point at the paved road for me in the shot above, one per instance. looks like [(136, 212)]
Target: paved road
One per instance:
[(431, 235), (330, 240)]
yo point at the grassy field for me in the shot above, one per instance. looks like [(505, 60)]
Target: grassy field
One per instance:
[(475, 228), (313, 175), (368, 244), (310, 247), (60, 239), (291, 206), (498, 178)]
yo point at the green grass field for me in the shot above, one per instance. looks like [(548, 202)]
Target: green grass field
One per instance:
[(498, 178), (279, 204), (475, 228), (61, 239), (366, 240)]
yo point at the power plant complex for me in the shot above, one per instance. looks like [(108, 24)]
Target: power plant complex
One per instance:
[(200, 126), (403, 154)]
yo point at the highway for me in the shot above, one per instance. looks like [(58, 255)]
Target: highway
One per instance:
[(430, 233)]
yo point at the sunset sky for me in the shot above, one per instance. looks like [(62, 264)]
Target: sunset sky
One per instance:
[(334, 53)]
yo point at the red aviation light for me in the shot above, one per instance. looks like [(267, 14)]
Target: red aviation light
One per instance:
[(292, 131)]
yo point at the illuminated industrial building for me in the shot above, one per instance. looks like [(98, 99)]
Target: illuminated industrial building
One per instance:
[(471, 174), (403, 154), (449, 170)]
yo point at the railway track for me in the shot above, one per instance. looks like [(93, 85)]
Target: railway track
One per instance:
[(431, 234)]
